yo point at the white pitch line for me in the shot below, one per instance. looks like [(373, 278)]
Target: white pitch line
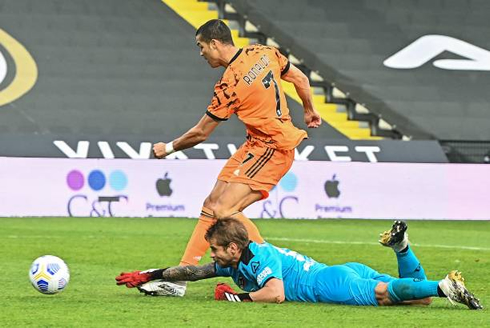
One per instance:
[(319, 241)]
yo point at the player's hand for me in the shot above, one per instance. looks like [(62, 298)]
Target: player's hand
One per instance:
[(159, 150), (313, 119), (221, 290), (133, 279)]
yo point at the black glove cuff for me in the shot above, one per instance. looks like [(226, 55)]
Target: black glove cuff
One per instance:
[(245, 297), (156, 274)]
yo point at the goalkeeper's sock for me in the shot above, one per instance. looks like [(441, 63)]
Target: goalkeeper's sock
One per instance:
[(253, 231), (407, 289), (197, 244), (408, 265)]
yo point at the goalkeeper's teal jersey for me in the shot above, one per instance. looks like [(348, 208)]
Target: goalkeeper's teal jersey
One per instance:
[(262, 262)]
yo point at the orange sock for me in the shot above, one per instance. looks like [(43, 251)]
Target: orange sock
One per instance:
[(253, 231), (197, 245)]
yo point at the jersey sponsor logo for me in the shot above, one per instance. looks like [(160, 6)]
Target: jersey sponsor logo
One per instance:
[(267, 271), (255, 266), (256, 70), (20, 78), (427, 47)]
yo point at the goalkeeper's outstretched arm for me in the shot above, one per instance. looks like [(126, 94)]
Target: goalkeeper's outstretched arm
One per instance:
[(177, 273), (188, 273)]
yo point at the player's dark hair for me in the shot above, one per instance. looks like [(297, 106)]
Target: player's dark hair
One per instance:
[(226, 231), (215, 29)]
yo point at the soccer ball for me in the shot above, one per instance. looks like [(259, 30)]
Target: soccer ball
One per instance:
[(49, 274)]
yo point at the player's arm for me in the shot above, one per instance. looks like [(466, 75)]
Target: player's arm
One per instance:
[(189, 273), (272, 292), (177, 273), (197, 134), (302, 85)]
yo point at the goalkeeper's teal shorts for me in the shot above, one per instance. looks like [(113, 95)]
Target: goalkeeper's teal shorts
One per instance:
[(351, 284)]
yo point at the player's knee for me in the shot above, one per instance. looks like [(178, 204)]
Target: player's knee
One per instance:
[(382, 294), (209, 203), (425, 301), (220, 212)]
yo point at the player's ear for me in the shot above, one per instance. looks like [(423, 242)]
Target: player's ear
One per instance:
[(233, 247)]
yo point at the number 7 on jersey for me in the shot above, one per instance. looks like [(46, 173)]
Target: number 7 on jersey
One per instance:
[(266, 81)]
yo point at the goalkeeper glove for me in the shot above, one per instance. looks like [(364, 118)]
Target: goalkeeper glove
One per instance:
[(138, 278), (223, 292)]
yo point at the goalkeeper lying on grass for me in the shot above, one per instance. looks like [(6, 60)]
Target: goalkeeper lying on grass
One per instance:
[(272, 274)]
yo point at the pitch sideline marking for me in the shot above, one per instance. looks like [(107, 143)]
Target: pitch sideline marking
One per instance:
[(319, 241), (315, 241)]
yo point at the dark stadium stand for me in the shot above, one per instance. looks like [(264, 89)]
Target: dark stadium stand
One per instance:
[(122, 70), (348, 41), (107, 69)]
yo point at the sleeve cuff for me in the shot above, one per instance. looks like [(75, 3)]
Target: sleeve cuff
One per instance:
[(214, 117), (266, 280), (286, 69)]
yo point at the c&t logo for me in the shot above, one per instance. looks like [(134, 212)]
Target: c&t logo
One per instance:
[(20, 78), (95, 182), (163, 186), (277, 208)]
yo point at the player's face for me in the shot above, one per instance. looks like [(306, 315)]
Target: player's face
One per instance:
[(208, 51), (224, 256)]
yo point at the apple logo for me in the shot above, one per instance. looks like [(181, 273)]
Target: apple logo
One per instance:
[(332, 188), (163, 186)]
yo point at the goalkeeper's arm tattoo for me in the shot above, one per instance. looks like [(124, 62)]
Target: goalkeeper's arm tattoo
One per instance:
[(189, 273)]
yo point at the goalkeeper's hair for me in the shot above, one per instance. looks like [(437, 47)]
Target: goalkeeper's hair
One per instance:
[(215, 29), (226, 231)]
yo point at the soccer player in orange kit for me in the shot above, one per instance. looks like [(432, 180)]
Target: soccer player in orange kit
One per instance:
[(250, 88)]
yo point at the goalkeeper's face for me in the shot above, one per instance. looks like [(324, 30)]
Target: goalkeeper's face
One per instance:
[(225, 256)]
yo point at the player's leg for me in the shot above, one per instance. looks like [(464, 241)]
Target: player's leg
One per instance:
[(414, 291), (343, 284), (259, 172), (253, 231), (235, 198), (197, 244), (407, 291), (413, 287), (353, 284), (408, 264), (195, 250), (366, 272)]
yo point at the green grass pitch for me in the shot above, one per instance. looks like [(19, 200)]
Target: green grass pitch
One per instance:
[(97, 249)]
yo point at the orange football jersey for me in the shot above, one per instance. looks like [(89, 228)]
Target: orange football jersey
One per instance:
[(251, 88)]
